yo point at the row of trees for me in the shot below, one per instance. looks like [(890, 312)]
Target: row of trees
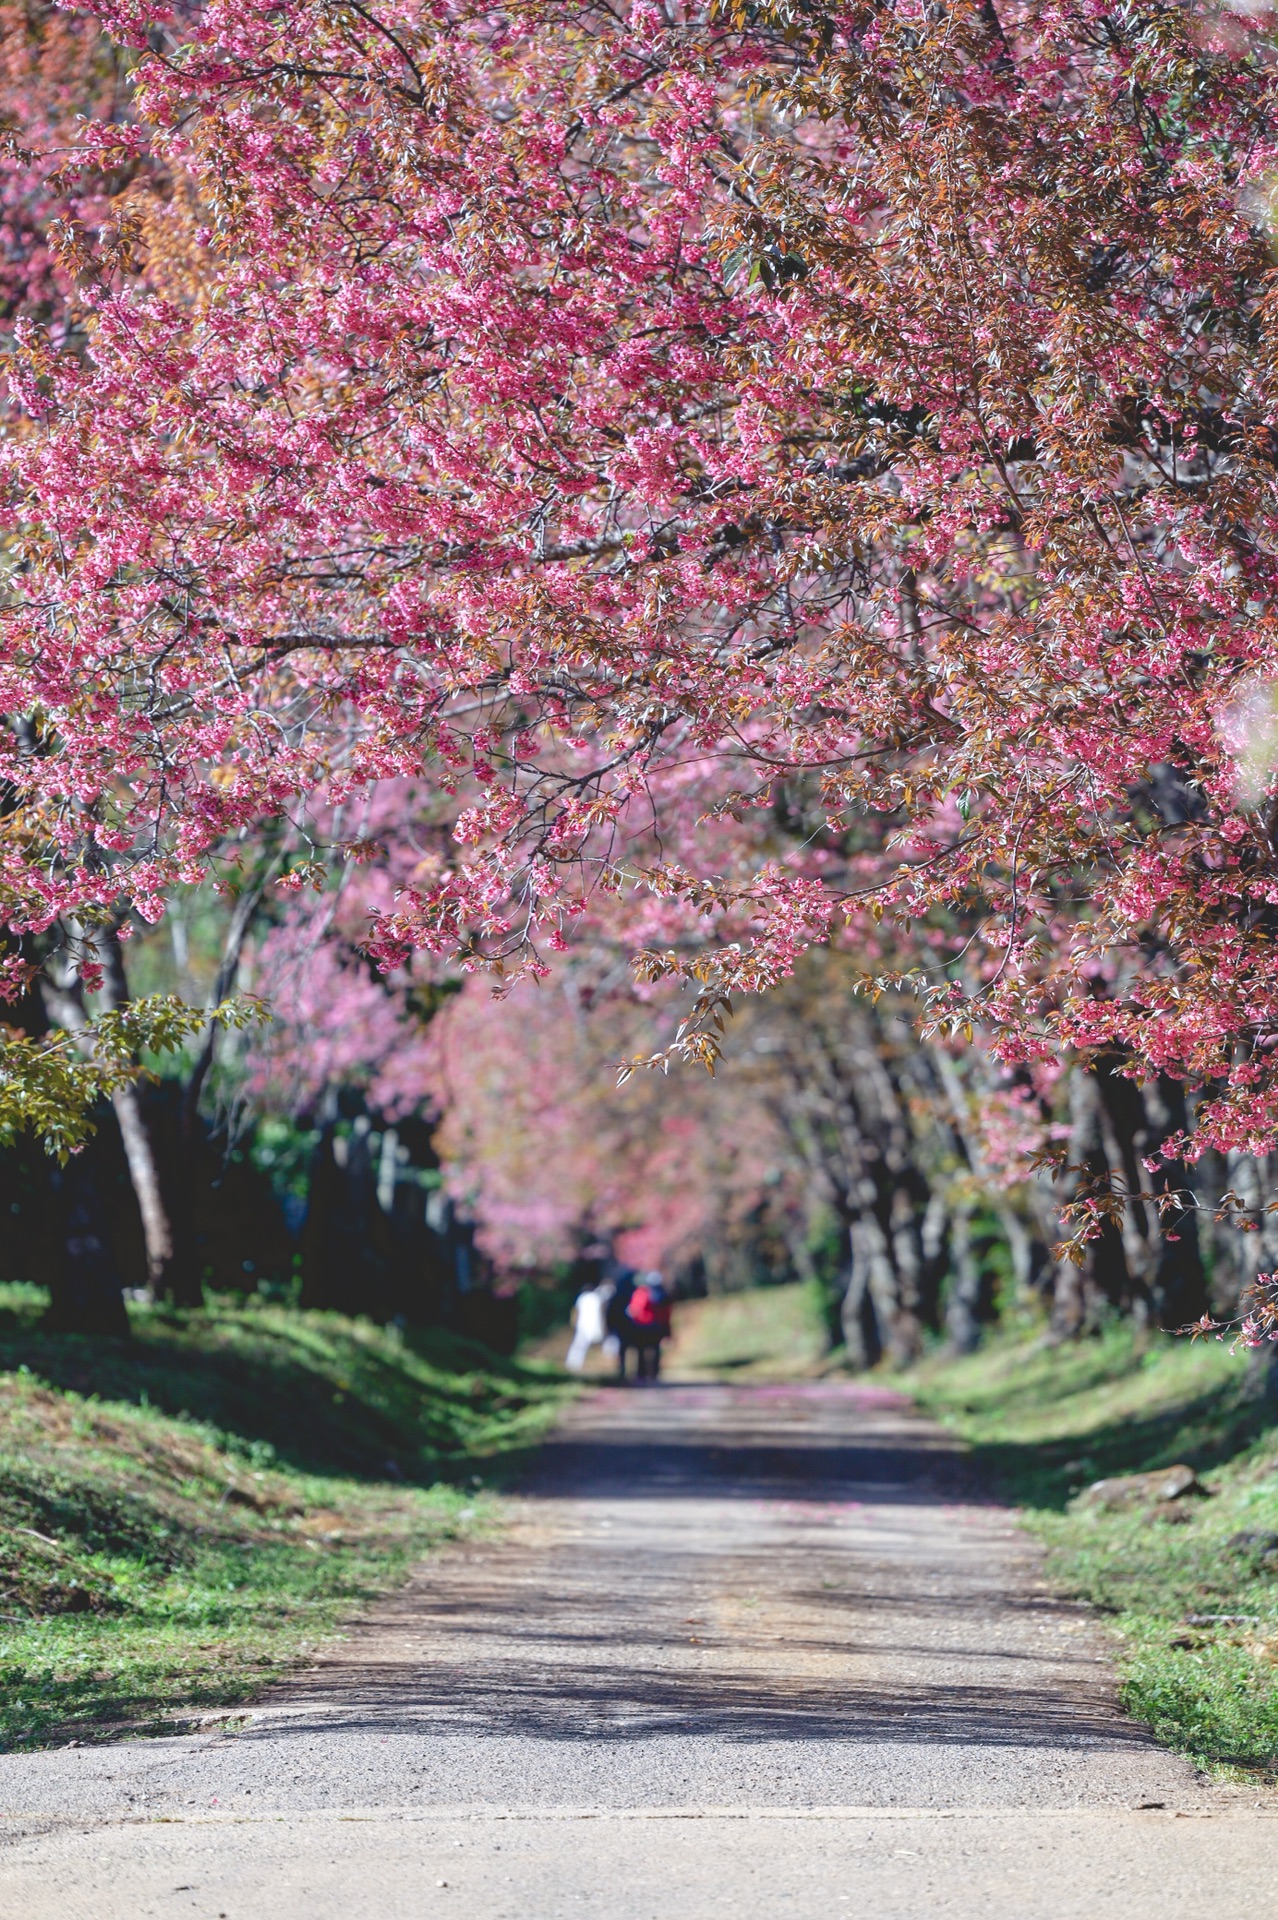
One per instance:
[(686, 483), (922, 1183)]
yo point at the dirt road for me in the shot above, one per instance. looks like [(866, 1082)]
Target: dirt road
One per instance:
[(747, 1651)]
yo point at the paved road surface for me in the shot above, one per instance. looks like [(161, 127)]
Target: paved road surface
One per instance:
[(747, 1652)]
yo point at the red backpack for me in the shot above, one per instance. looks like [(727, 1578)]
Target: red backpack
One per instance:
[(649, 1308)]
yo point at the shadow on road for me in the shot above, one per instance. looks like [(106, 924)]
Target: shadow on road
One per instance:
[(718, 1704), (750, 1565)]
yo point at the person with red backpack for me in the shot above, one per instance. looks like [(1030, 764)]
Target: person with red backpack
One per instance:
[(617, 1318), (648, 1314)]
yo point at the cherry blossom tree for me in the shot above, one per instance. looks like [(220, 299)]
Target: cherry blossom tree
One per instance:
[(775, 474), (548, 1157)]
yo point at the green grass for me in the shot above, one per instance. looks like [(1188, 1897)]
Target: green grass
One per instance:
[(767, 1332), (183, 1516), (1049, 1420)]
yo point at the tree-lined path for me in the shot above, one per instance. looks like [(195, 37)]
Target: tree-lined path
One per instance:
[(746, 1650)]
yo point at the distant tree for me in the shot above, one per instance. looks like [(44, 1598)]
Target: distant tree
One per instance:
[(548, 1156)]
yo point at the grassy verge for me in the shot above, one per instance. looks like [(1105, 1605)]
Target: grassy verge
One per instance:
[(184, 1515), (766, 1333), (1048, 1421)]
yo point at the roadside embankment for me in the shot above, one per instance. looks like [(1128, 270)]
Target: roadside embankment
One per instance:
[(185, 1514)]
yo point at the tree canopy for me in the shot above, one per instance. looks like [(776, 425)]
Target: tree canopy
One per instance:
[(756, 476)]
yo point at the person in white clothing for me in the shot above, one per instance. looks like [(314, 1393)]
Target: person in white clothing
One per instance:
[(590, 1324)]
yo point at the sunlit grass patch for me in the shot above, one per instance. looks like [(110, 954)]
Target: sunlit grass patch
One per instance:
[(765, 1332)]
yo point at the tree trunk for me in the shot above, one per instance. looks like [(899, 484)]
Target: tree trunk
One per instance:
[(1180, 1282), (144, 1174), (1077, 1289), (881, 1282), (1031, 1262), (228, 971), (185, 1283), (64, 1005), (1121, 1120), (963, 1308), (139, 1147), (1070, 1302), (84, 1284), (862, 1340)]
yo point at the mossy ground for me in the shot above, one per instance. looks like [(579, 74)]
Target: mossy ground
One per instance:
[(184, 1515), (1049, 1420)]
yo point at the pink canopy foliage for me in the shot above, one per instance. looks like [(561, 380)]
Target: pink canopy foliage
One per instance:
[(537, 1143), (768, 475), (67, 168)]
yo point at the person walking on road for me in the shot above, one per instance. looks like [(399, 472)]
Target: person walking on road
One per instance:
[(590, 1324), (618, 1318), (649, 1315)]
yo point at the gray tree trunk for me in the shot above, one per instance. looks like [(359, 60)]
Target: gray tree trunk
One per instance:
[(962, 1310), (139, 1147), (65, 1007)]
